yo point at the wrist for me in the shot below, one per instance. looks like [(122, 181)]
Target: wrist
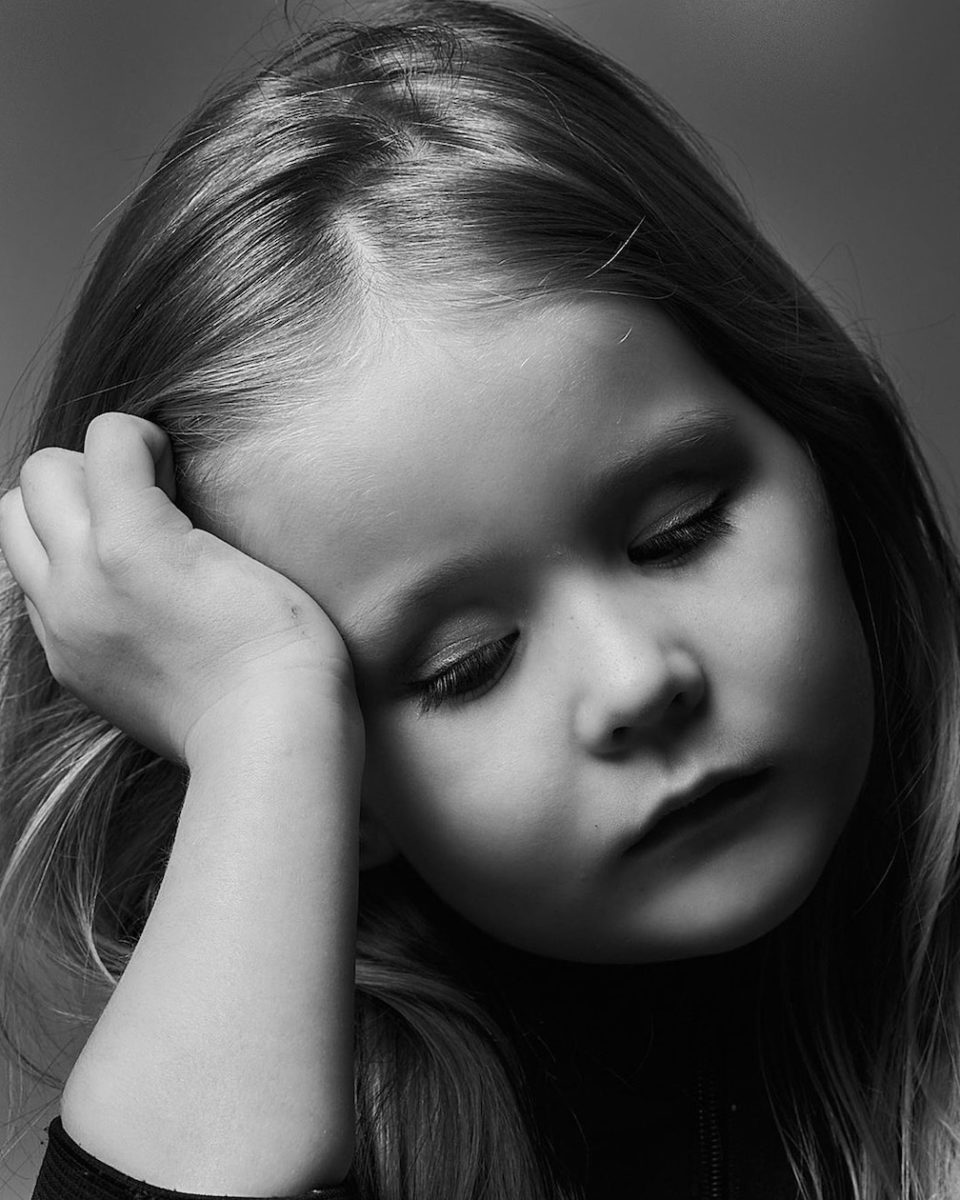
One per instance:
[(291, 713)]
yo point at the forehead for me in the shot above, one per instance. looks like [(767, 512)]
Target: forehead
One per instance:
[(452, 440)]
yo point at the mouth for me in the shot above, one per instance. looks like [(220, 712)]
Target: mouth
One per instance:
[(709, 803)]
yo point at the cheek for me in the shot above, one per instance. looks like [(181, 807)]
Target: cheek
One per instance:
[(801, 637), (452, 804)]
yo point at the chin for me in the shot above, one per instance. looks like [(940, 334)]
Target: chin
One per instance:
[(730, 922)]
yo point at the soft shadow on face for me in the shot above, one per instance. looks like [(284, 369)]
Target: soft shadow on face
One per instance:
[(583, 580)]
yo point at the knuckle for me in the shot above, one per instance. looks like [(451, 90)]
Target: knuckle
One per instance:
[(109, 420), (81, 615), (114, 427), (10, 502), (116, 550), (106, 428), (40, 463)]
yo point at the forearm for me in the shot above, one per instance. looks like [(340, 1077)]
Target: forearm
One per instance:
[(223, 1061)]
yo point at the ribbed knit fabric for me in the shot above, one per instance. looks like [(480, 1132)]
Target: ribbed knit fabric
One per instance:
[(69, 1173)]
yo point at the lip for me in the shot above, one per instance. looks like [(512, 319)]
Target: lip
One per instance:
[(714, 794)]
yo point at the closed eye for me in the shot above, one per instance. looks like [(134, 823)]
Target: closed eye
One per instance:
[(468, 677), (680, 538)]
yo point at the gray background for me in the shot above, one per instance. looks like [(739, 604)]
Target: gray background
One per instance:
[(839, 120)]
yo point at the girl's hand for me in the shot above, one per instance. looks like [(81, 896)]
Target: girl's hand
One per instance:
[(151, 622)]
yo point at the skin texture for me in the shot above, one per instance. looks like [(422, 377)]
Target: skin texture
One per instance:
[(628, 660)]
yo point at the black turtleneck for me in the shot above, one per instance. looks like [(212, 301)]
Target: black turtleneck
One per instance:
[(646, 1080)]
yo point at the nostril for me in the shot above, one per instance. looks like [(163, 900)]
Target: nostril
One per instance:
[(619, 735)]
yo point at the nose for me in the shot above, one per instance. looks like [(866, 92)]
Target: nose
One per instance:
[(637, 679)]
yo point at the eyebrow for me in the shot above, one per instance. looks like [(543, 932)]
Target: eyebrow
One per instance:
[(666, 451), (660, 456), (374, 622)]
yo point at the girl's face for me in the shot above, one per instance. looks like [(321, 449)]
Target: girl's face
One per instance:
[(583, 580)]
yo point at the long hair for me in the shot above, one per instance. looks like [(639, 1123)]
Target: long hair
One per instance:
[(476, 157)]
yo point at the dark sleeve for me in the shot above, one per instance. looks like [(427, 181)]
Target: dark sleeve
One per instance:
[(69, 1173)]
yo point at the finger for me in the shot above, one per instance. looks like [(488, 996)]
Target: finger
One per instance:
[(55, 499), (125, 458), (22, 549)]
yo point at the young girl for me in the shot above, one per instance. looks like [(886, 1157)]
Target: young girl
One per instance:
[(444, 486)]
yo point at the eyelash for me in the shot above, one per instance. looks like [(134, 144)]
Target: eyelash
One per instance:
[(468, 677), (477, 672), (675, 543)]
